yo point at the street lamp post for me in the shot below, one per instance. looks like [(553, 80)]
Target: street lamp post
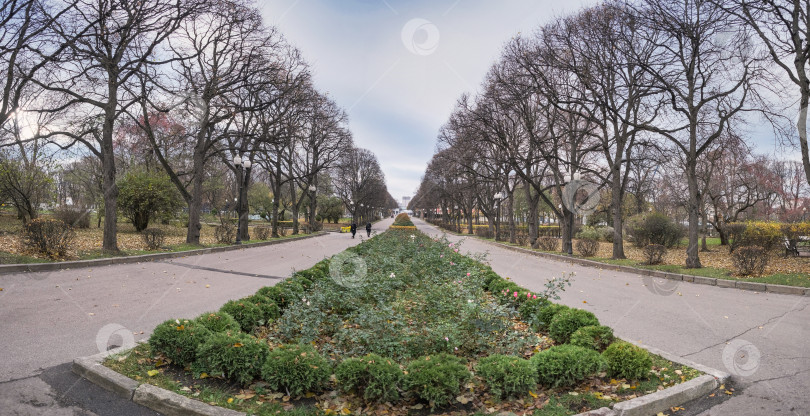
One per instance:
[(240, 162), (569, 245), (498, 198), (312, 190)]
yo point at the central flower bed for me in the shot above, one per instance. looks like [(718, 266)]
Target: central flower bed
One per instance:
[(397, 323), (403, 222)]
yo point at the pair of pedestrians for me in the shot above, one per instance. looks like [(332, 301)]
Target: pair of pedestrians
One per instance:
[(354, 229)]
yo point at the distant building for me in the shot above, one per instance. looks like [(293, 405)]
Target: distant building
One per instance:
[(405, 201)]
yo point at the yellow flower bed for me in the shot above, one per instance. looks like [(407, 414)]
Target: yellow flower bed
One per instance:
[(345, 229), (402, 227)]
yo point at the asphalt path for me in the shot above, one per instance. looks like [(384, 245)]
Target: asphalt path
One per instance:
[(48, 319), (761, 339)]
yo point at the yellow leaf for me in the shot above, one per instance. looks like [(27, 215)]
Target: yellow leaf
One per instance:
[(230, 400), (346, 411), (203, 375), (237, 345), (152, 373), (181, 327), (531, 393)]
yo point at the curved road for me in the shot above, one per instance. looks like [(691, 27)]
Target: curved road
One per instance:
[(47, 319), (761, 339)]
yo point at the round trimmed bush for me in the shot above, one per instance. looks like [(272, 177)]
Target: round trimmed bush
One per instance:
[(377, 378), (245, 312), (528, 310), (507, 375), (547, 314), (628, 361), (595, 337), (566, 365), (178, 340), (566, 322), (270, 311), (437, 378), (237, 356), (271, 292), (218, 322), (296, 368)]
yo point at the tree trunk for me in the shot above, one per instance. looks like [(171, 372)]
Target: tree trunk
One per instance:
[(531, 220), (294, 208), (511, 218), (110, 237), (692, 208), (616, 208), (195, 203), (801, 124), (244, 211), (567, 229)]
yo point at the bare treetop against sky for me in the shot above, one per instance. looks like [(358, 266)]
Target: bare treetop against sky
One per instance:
[(399, 66)]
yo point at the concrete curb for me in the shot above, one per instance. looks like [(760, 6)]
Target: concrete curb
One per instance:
[(170, 403), (46, 267), (737, 284), (147, 395)]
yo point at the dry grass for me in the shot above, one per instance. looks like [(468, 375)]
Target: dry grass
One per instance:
[(718, 257), (89, 240)]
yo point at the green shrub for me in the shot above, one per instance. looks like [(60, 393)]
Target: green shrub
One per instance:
[(654, 253), (653, 228), (437, 378), (507, 375), (225, 233), (270, 311), (144, 195), (218, 322), (245, 312), (595, 337), (566, 322), (628, 361), (153, 238), (271, 292), (566, 365), (529, 310), (296, 368), (587, 247), (547, 243), (589, 232), (262, 232), (237, 356), (75, 217), (47, 236), (375, 377), (750, 260), (547, 314), (767, 235), (178, 340)]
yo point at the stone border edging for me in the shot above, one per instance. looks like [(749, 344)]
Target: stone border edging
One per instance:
[(46, 267), (711, 281), (160, 400), (170, 403)]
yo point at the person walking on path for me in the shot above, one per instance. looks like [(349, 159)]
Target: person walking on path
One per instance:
[(353, 229), (368, 229)]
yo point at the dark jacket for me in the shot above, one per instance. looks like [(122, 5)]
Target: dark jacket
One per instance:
[(354, 228), (368, 227)]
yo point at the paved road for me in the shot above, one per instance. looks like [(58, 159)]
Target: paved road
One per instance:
[(47, 319), (760, 338)]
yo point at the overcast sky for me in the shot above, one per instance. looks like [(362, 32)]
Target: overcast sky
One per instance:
[(398, 67)]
